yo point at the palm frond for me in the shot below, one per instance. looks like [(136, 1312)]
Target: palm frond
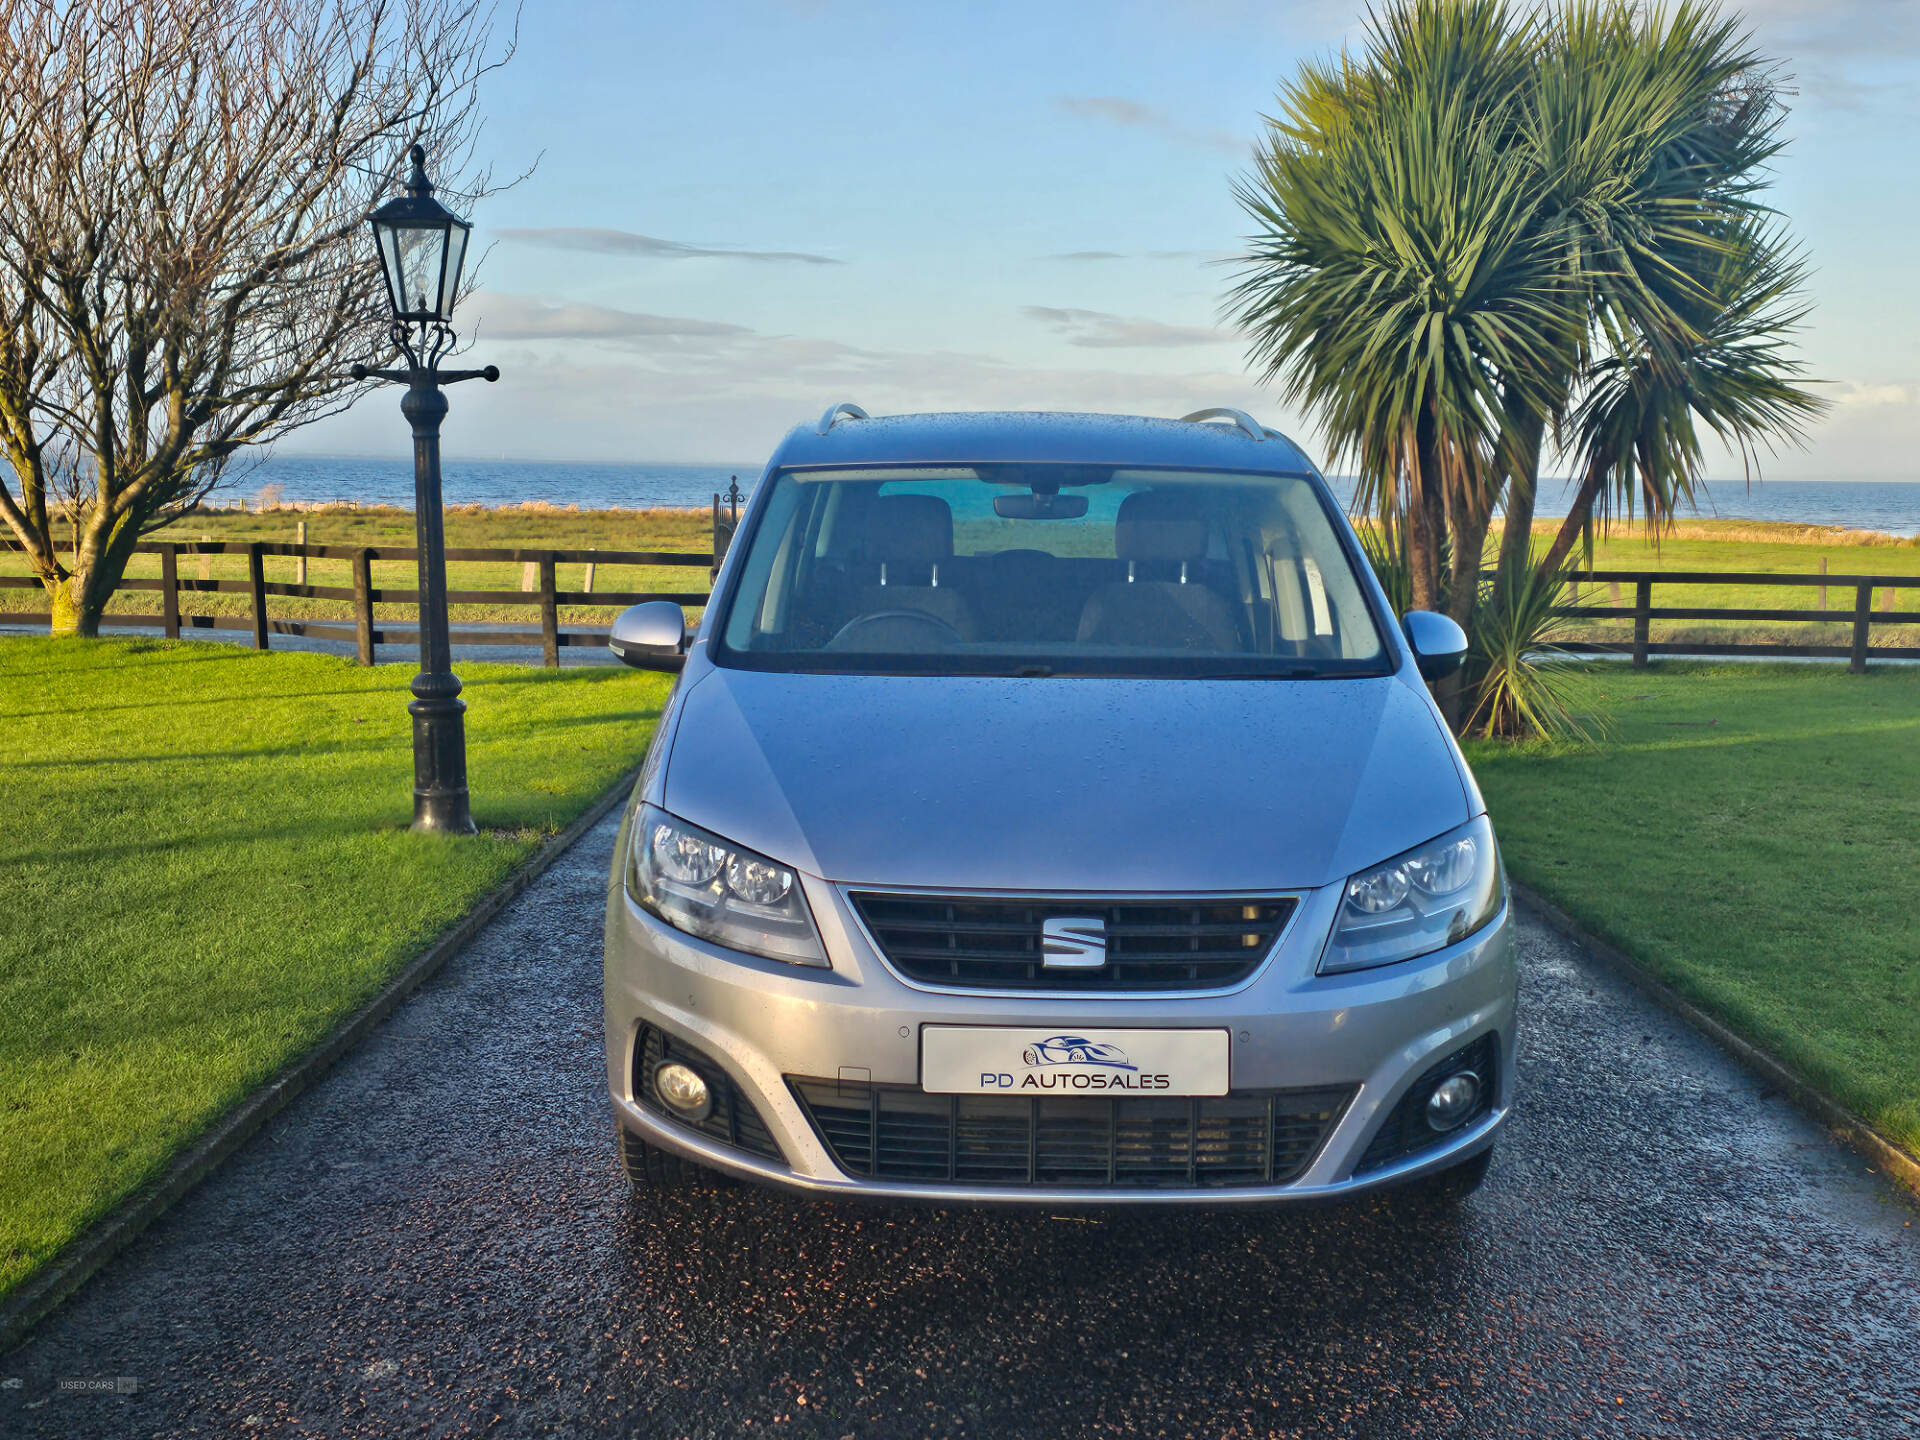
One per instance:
[(1521, 689)]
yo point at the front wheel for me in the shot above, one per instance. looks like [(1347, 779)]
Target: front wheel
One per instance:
[(1456, 1182), (651, 1170)]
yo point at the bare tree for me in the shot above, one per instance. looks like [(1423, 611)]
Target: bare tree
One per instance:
[(184, 186)]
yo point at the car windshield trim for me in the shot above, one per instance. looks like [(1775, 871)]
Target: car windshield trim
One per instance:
[(1011, 659)]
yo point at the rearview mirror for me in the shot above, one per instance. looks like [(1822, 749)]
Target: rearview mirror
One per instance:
[(1439, 645), (652, 636), (1037, 506)]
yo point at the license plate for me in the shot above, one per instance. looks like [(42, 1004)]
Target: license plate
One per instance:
[(1063, 1060)]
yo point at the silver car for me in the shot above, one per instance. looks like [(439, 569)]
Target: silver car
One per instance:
[(1051, 809)]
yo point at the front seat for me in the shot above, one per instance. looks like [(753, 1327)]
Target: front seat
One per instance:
[(909, 537), (1160, 606)]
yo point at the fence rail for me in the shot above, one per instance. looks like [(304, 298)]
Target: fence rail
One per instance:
[(368, 634)]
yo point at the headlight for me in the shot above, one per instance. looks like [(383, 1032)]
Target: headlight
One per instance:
[(703, 885), (1433, 896)]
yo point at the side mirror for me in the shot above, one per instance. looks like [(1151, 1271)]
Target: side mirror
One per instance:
[(652, 636), (1439, 645)]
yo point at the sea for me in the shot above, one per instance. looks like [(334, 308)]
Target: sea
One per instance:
[(1891, 506)]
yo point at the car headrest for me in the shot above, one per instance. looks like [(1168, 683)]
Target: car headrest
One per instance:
[(1159, 525), (910, 529)]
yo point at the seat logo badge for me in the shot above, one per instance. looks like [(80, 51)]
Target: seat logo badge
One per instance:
[(1073, 942)]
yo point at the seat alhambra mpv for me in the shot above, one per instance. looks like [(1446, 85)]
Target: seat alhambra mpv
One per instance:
[(1051, 808)]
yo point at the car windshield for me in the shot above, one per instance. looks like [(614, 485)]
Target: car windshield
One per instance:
[(1047, 569)]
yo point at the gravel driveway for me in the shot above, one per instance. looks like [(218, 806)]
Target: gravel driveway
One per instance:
[(435, 1241)]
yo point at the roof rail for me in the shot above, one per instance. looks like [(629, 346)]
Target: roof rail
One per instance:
[(846, 408), (1240, 418)]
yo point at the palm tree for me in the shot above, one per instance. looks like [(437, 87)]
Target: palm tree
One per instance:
[(1470, 237), (1395, 275)]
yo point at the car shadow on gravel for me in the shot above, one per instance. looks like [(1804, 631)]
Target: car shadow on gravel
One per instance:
[(859, 1295)]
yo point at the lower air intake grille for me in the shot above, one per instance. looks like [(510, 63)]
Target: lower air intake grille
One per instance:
[(1137, 1143), (732, 1121), (996, 942)]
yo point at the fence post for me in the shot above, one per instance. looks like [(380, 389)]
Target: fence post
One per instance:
[(300, 563), (363, 604), (257, 587), (549, 617), (725, 527), (1642, 621), (1823, 588), (1862, 613), (170, 591), (588, 584), (206, 559)]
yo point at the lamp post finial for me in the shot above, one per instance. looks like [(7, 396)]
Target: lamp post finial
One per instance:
[(417, 182)]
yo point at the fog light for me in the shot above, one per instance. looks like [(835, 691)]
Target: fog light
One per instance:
[(682, 1090), (1453, 1100)]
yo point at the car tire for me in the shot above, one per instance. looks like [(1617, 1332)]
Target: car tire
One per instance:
[(651, 1170), (1456, 1182)]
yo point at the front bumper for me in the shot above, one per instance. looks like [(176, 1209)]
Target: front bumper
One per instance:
[(763, 1022)]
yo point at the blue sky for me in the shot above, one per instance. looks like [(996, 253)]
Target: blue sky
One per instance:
[(743, 212)]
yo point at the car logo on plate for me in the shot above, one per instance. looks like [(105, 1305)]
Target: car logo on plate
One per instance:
[(1076, 1050), (1073, 942)]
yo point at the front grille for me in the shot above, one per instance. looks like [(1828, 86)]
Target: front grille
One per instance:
[(732, 1121), (994, 942), (899, 1132), (1406, 1131)]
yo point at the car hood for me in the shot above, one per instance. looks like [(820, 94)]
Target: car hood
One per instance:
[(1064, 784)]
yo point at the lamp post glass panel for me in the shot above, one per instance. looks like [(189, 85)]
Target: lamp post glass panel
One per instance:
[(422, 245)]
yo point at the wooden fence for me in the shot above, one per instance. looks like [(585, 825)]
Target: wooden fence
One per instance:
[(366, 633), (1644, 612), (363, 594)]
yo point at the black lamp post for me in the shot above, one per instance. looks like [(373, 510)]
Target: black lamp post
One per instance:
[(422, 245)]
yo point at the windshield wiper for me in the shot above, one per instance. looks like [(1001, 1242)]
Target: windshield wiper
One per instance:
[(1292, 672)]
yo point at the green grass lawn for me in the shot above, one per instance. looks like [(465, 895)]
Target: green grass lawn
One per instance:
[(205, 865), (1752, 835)]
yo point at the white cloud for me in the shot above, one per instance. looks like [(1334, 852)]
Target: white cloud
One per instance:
[(1866, 394), (1094, 256), (1133, 115), (596, 241), (1098, 330), (522, 317), (1116, 110)]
